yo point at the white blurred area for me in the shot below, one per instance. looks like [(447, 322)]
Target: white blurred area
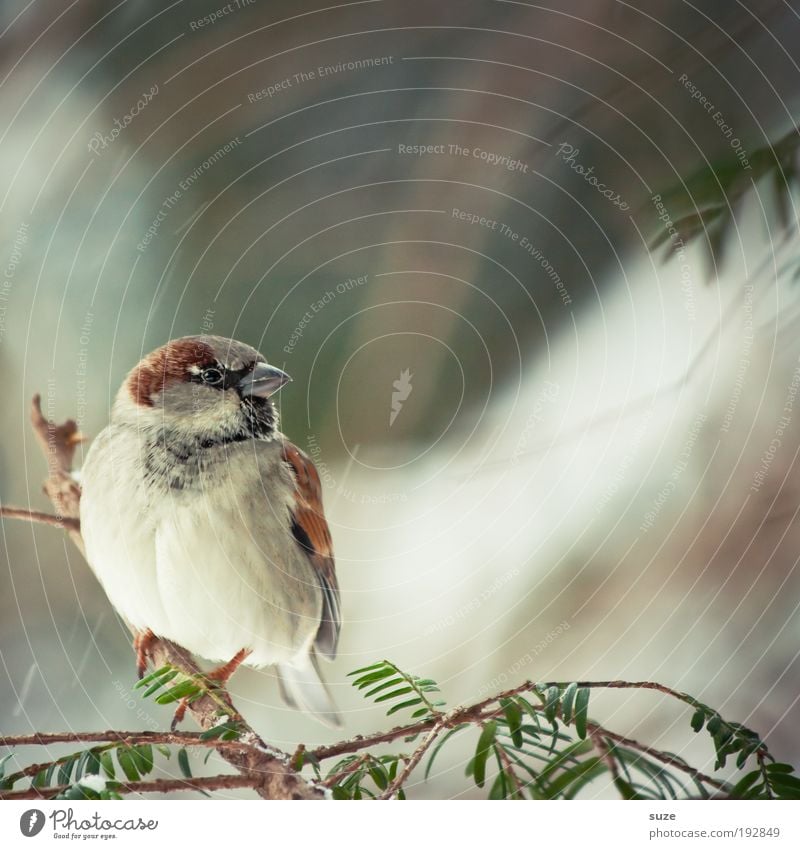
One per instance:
[(611, 492)]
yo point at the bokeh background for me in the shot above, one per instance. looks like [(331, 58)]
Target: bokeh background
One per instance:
[(592, 470)]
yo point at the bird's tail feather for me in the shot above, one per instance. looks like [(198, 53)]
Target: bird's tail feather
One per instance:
[(302, 687)]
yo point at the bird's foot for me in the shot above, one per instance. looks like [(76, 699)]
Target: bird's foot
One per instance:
[(142, 643), (218, 677), (221, 674)]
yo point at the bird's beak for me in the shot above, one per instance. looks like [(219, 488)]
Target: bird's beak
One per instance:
[(263, 381)]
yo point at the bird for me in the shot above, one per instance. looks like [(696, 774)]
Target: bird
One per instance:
[(204, 524)]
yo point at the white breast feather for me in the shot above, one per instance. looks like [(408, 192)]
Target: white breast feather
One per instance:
[(214, 569)]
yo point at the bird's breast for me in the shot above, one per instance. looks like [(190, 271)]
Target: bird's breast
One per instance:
[(197, 545), (230, 573)]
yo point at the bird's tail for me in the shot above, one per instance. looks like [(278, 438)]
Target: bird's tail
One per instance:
[(302, 687)]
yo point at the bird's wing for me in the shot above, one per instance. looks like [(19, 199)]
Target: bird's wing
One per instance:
[(313, 535)]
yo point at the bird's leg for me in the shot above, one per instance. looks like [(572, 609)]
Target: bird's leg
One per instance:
[(142, 643), (219, 676), (222, 673)]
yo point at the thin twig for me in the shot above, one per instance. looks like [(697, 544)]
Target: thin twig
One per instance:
[(156, 785), (598, 740), (38, 517), (459, 716), (485, 709), (762, 768), (489, 708), (664, 757), (178, 738), (350, 768), (273, 775), (412, 762), (355, 744), (624, 685)]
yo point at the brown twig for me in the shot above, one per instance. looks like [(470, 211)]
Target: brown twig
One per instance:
[(459, 716), (355, 744), (130, 738), (596, 735), (268, 772), (37, 517), (58, 444), (489, 708), (624, 685), (412, 762), (760, 757), (508, 768), (485, 709), (155, 785), (350, 768), (664, 757)]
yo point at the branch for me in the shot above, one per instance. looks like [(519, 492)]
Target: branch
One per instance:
[(762, 769), (664, 757), (596, 735), (268, 772), (508, 768), (470, 713), (156, 785), (128, 738), (479, 711), (489, 708), (355, 744), (113, 739), (40, 518), (627, 685), (350, 768), (415, 758), (58, 443)]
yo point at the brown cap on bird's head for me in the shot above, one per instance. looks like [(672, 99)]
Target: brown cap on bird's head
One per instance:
[(212, 377)]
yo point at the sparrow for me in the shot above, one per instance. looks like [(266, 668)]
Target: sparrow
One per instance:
[(205, 525)]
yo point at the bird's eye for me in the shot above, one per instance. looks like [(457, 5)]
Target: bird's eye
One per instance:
[(211, 376)]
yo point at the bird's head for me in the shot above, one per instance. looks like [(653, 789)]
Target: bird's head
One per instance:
[(206, 387)]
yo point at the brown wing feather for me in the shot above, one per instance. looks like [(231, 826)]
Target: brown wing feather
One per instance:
[(313, 535)]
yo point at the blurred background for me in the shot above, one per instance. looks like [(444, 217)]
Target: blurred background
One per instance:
[(550, 450)]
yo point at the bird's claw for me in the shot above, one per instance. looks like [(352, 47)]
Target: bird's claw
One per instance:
[(142, 643), (180, 713), (221, 674)]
